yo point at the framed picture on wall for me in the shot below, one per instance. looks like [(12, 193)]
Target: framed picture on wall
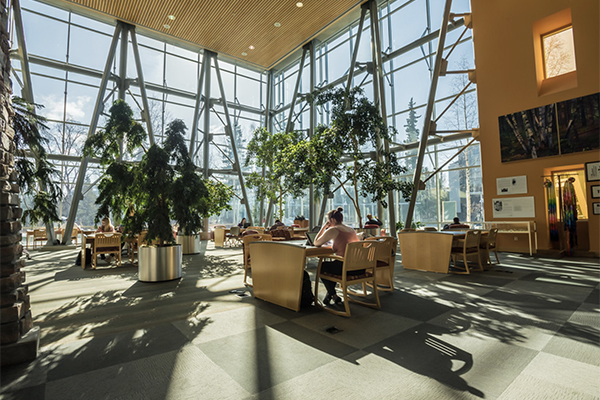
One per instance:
[(592, 171), (596, 208), (596, 192)]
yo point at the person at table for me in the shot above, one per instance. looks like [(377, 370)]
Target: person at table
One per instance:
[(106, 227), (243, 224), (373, 220), (456, 224), (340, 234), (276, 225)]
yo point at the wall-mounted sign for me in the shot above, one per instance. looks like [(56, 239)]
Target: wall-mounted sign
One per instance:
[(512, 185), (596, 208), (514, 207), (592, 171)]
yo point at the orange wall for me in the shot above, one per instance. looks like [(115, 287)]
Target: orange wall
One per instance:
[(507, 82)]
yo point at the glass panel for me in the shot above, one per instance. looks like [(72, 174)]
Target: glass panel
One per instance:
[(88, 49), (559, 53), (182, 73), (92, 24), (52, 46)]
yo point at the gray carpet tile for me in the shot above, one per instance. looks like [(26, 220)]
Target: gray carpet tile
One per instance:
[(270, 355), (528, 328), (86, 355)]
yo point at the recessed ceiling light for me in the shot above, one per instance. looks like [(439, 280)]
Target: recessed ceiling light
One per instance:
[(171, 17), (277, 24), (244, 53), (299, 4), (166, 26), (251, 47)]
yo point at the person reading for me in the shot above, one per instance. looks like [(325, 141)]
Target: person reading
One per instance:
[(106, 227), (340, 234)]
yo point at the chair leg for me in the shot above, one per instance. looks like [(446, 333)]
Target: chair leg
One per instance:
[(496, 253), (466, 263), (246, 277)]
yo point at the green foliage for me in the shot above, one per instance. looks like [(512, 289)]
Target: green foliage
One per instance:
[(163, 186), (277, 154), (35, 179), (337, 152), (120, 127), (220, 196)]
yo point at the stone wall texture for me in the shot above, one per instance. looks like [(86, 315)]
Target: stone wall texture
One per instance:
[(18, 342)]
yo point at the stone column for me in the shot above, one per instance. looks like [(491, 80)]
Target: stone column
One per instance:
[(18, 341)]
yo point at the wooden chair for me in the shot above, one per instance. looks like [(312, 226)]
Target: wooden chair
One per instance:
[(465, 247), (133, 246), (39, 235), (246, 240), (74, 235), (234, 236), (256, 228), (386, 261), (430, 229), (219, 237), (489, 243), (106, 243), (358, 255)]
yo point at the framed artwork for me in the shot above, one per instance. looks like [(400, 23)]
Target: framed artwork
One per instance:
[(578, 124), (596, 208), (596, 192), (592, 171)]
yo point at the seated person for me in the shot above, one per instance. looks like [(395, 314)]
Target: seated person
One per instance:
[(276, 225), (373, 220), (341, 235), (106, 227), (243, 224), (457, 224)]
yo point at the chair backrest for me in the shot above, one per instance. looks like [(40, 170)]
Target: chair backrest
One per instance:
[(39, 234), (256, 228), (234, 231), (472, 239), (361, 255), (284, 233), (246, 240), (219, 236), (491, 239), (387, 251), (107, 241), (430, 228), (74, 233)]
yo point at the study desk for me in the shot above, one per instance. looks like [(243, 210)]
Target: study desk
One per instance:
[(87, 239), (278, 270), (430, 251)]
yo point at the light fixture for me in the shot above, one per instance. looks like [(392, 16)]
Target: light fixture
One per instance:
[(299, 4), (277, 24), (171, 17), (244, 53), (251, 47), (166, 26)]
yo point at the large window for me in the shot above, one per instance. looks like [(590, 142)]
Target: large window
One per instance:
[(559, 52)]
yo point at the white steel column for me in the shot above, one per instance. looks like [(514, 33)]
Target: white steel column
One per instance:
[(138, 64), (427, 122), (228, 128), (199, 98), (98, 108)]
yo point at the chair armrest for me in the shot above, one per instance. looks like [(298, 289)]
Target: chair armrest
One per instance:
[(332, 256)]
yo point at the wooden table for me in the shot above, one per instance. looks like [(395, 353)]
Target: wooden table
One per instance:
[(87, 239), (430, 251), (278, 270)]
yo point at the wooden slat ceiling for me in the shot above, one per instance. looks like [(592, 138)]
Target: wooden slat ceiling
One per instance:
[(231, 26)]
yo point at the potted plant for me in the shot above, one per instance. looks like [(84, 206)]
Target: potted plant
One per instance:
[(148, 194)]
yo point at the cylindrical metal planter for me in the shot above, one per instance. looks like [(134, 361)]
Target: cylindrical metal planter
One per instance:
[(156, 264), (189, 244)]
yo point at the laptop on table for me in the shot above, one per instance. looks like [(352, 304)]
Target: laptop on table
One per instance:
[(310, 238)]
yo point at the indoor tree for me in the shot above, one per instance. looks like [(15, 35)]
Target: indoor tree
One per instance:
[(163, 186), (338, 153), (270, 151), (35, 178)]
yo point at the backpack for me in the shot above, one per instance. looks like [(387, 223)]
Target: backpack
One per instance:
[(307, 297), (88, 258)]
